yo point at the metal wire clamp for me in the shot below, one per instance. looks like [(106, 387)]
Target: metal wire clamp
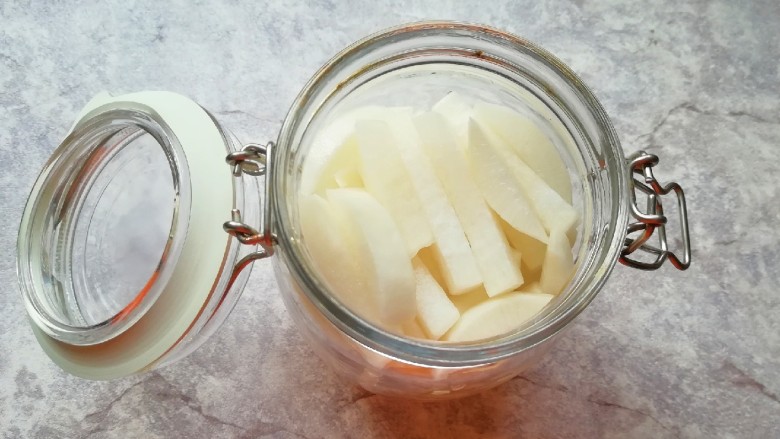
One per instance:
[(653, 220)]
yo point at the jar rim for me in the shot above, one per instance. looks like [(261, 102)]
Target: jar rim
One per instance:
[(56, 182), (431, 353), (186, 283)]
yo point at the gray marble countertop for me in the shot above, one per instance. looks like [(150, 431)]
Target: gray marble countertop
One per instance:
[(691, 354)]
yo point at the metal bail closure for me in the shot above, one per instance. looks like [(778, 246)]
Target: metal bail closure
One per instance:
[(653, 220), (255, 160)]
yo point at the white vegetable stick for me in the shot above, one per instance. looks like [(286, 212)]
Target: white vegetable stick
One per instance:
[(452, 249), (327, 153), (382, 253), (456, 112), (497, 316), (558, 263), (532, 250), (553, 211), (385, 176), (488, 244), (499, 185), (435, 311), (327, 240), (529, 142)]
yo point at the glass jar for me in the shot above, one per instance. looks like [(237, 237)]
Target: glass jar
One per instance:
[(125, 263)]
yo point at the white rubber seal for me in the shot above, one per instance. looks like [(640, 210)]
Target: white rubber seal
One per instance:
[(201, 259)]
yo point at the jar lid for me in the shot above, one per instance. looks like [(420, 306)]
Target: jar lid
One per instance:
[(121, 243)]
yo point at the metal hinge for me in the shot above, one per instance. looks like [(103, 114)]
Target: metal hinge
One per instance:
[(253, 159)]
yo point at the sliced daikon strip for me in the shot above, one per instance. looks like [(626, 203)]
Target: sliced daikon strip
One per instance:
[(452, 249), (488, 244), (385, 176), (499, 186), (383, 255), (558, 263), (435, 311), (496, 316), (529, 142)]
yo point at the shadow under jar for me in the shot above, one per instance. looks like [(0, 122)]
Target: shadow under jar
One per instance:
[(119, 278)]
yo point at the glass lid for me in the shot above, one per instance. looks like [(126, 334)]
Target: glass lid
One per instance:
[(121, 242)]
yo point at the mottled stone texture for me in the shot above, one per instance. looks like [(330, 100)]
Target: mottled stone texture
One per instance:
[(666, 354)]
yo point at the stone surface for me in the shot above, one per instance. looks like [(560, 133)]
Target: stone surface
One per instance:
[(691, 354)]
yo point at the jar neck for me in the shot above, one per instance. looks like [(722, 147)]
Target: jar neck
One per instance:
[(596, 161)]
